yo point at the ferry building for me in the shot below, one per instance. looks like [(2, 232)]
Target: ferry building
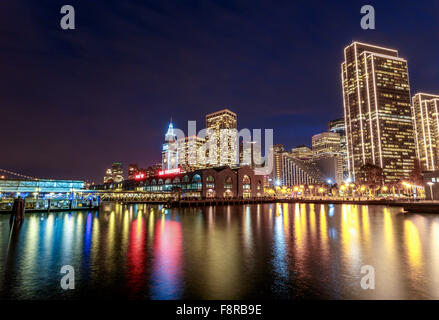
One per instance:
[(222, 182)]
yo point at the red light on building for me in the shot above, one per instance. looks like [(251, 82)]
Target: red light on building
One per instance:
[(170, 171), (139, 176)]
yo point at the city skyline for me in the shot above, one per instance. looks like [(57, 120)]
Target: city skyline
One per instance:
[(225, 157), (115, 123)]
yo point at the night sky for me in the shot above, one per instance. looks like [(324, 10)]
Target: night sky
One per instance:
[(72, 102)]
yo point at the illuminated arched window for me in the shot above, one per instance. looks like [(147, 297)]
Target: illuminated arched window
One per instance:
[(196, 182), (210, 182), (246, 182), (228, 183), (186, 179), (176, 180)]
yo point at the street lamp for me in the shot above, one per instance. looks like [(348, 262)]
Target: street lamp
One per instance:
[(431, 189)]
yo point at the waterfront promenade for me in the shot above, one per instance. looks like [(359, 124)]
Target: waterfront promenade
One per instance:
[(409, 205)]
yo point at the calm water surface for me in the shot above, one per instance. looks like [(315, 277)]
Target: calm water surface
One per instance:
[(277, 251)]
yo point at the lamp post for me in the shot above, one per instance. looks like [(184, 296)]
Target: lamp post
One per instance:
[(431, 189)]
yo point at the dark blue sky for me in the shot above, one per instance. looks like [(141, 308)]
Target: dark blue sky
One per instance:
[(72, 102)]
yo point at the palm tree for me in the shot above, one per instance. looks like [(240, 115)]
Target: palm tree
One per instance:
[(371, 176)]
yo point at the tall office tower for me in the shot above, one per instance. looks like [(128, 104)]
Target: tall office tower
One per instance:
[(169, 151), (426, 122), (290, 171), (223, 125), (338, 126), (188, 153), (376, 97)]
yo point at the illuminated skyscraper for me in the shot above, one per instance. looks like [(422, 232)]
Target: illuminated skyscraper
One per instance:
[(376, 97), (426, 122), (169, 151), (223, 125)]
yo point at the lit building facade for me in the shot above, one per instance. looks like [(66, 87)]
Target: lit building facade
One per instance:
[(302, 153), (219, 182), (327, 156), (331, 167), (378, 120), (250, 154), (114, 174), (136, 173), (188, 151), (169, 149), (326, 142), (290, 171), (338, 126), (425, 111), (223, 127)]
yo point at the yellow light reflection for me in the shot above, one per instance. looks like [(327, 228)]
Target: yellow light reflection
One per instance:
[(413, 245), (312, 219)]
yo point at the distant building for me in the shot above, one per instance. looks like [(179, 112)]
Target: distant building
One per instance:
[(169, 149), (108, 178), (331, 167), (426, 124), (151, 171), (302, 153), (250, 154), (188, 151), (114, 174), (133, 170), (290, 171), (376, 97), (136, 173), (327, 156), (326, 143), (223, 125), (339, 126)]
